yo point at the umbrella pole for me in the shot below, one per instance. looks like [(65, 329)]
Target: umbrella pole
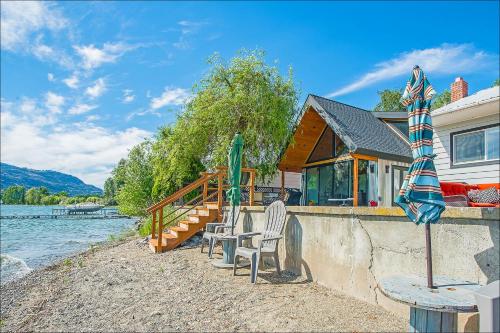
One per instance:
[(428, 251), (232, 222)]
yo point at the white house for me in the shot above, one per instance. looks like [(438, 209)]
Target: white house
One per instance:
[(466, 136)]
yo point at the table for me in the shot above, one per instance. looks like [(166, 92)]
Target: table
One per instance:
[(228, 249), (431, 310), (341, 200)]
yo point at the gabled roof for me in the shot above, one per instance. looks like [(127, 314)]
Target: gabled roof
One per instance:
[(360, 130)]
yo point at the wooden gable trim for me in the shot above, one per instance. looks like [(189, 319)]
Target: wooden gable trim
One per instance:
[(331, 160)]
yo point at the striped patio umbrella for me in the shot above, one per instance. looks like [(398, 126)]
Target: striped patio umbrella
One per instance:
[(420, 195)]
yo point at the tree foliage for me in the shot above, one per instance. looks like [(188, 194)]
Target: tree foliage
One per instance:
[(389, 100), (496, 83), (243, 95), (441, 100), (14, 195), (136, 172), (18, 194), (246, 96)]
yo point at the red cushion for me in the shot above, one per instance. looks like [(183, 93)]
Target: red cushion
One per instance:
[(483, 204), (450, 188)]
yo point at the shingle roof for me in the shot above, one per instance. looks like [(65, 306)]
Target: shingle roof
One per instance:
[(481, 97), (360, 130)]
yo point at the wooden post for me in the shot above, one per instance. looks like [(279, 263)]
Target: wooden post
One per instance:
[(355, 183), (220, 179), (160, 230), (153, 225), (252, 188), (205, 188), (282, 185)]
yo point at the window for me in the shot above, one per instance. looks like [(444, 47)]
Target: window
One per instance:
[(398, 176), (312, 185), (475, 145), (324, 147), (402, 126)]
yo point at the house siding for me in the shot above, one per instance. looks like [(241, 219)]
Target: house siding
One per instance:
[(481, 174)]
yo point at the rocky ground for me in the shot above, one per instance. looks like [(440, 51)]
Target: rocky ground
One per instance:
[(124, 287)]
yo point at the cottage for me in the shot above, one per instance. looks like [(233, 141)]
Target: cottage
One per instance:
[(347, 156)]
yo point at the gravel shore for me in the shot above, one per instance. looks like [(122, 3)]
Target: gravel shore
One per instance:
[(124, 287)]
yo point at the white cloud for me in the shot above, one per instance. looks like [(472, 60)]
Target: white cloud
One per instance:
[(170, 96), (20, 19), (92, 118), (187, 28), (50, 77), (445, 59), (54, 102), (81, 108), (93, 57), (72, 81), (128, 96), (97, 89), (49, 54), (83, 149)]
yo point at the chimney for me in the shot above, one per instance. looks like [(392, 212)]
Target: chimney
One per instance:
[(459, 89)]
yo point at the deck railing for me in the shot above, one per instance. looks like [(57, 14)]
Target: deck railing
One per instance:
[(211, 186)]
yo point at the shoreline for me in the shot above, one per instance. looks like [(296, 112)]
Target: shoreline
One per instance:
[(122, 286)]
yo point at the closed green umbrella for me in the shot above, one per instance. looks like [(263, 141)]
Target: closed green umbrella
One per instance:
[(234, 174), (420, 195)]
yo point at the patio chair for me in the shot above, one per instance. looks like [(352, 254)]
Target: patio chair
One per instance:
[(275, 216), (212, 229)]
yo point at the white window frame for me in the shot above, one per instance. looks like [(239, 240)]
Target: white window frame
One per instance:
[(485, 159)]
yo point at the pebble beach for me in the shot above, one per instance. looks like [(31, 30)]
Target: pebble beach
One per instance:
[(122, 286)]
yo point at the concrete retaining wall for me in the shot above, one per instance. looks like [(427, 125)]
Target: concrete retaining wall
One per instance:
[(351, 249)]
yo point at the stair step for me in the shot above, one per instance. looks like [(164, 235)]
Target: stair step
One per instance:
[(153, 244), (178, 230), (186, 224), (212, 205), (167, 235), (194, 217), (203, 211)]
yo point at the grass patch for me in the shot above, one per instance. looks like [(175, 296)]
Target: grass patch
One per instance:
[(67, 262), (80, 263)]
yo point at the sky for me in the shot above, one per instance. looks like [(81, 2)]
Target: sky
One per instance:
[(83, 82)]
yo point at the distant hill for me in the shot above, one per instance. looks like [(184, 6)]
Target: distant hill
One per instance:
[(54, 181)]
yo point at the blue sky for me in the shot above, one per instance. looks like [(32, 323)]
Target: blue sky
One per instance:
[(82, 82)]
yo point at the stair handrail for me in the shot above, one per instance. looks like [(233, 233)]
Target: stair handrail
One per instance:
[(183, 191)]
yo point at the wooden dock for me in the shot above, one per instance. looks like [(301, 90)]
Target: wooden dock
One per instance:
[(63, 213)]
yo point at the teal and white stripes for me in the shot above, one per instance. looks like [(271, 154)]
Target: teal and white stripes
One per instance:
[(420, 195)]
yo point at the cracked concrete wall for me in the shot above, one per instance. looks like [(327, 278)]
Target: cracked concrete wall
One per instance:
[(351, 252)]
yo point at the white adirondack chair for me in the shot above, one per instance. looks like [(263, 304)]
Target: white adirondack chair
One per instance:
[(215, 229), (267, 245)]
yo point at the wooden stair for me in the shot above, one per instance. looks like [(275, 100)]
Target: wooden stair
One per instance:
[(186, 228)]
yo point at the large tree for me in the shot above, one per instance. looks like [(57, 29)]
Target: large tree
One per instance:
[(441, 100), (389, 100), (134, 196), (14, 195), (244, 95)]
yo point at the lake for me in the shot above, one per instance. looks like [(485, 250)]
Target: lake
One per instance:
[(27, 244)]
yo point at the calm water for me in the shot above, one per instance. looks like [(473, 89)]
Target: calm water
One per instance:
[(33, 243)]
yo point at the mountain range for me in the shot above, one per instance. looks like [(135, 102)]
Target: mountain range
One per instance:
[(54, 181)]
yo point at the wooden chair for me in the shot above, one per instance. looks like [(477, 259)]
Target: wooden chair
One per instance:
[(213, 229), (267, 245)]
